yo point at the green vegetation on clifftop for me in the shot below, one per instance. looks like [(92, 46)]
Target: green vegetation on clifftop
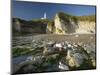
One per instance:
[(66, 17)]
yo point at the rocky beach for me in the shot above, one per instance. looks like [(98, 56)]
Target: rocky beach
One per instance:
[(67, 43), (54, 53)]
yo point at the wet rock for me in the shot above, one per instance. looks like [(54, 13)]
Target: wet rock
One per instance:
[(52, 68), (89, 48), (38, 60), (20, 61), (29, 58), (15, 68), (50, 56), (63, 67), (69, 45), (50, 43), (46, 64), (75, 59), (59, 45), (48, 50), (29, 68), (54, 56), (78, 59)]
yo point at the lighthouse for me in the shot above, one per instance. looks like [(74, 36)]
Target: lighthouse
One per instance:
[(45, 16)]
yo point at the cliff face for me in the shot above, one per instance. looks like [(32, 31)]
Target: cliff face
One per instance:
[(86, 27), (50, 27), (63, 26), (64, 23), (20, 27)]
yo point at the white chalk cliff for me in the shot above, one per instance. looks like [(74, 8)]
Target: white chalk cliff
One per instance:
[(64, 23)]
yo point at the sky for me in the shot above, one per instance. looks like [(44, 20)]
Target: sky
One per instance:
[(35, 10)]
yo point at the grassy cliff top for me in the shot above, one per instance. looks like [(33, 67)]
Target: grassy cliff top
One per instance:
[(87, 18), (62, 15), (66, 17), (32, 21)]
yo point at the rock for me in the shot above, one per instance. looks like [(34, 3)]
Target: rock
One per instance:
[(71, 62), (69, 54), (33, 41), (58, 45), (74, 60), (89, 48), (15, 68), (75, 45), (65, 47), (29, 58), (48, 50), (20, 61), (69, 45), (93, 59), (63, 66), (52, 68), (53, 56), (78, 59), (29, 68), (93, 63), (46, 64), (55, 48), (49, 56), (38, 60), (66, 42), (51, 43)]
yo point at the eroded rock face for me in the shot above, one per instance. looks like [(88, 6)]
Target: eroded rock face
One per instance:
[(63, 27), (64, 23), (21, 26), (86, 27)]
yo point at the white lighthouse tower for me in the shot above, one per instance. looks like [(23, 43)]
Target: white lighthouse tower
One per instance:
[(45, 16)]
